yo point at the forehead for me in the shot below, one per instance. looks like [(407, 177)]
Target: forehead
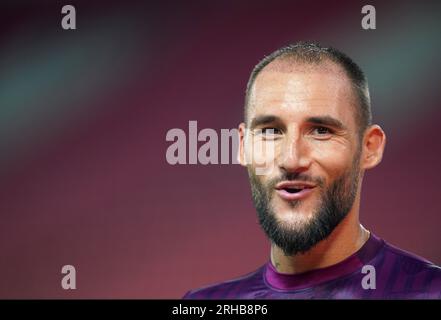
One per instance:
[(296, 91)]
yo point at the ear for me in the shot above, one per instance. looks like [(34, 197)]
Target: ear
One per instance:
[(374, 142), (241, 153)]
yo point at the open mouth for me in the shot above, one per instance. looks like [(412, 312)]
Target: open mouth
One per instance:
[(294, 190)]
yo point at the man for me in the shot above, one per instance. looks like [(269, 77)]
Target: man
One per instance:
[(310, 106)]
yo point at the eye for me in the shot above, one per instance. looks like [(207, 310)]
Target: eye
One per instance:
[(322, 131), (270, 131)]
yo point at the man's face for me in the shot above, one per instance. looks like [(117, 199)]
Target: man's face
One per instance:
[(307, 118)]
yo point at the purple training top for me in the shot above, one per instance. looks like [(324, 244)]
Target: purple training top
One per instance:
[(398, 275)]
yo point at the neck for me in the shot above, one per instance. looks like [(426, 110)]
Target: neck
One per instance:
[(347, 238)]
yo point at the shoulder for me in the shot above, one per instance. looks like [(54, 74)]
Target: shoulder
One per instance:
[(411, 263), (234, 288), (411, 276)]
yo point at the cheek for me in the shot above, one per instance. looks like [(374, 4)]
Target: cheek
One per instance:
[(260, 153), (333, 159)]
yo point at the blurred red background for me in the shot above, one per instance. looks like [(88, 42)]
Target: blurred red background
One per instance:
[(83, 119)]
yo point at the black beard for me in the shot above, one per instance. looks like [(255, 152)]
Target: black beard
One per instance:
[(335, 204)]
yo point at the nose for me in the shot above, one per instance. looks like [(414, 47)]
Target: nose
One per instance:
[(295, 156)]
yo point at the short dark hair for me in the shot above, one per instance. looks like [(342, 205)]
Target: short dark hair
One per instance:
[(314, 53)]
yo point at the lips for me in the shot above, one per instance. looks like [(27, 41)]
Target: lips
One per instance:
[(294, 190)]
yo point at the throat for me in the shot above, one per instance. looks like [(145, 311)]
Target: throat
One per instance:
[(328, 252)]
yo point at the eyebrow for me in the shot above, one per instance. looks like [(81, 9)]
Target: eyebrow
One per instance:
[(327, 121), (262, 120), (321, 120)]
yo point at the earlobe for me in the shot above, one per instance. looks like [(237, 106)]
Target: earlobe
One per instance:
[(374, 143)]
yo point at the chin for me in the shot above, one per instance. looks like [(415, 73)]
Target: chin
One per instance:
[(294, 216), (300, 211)]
